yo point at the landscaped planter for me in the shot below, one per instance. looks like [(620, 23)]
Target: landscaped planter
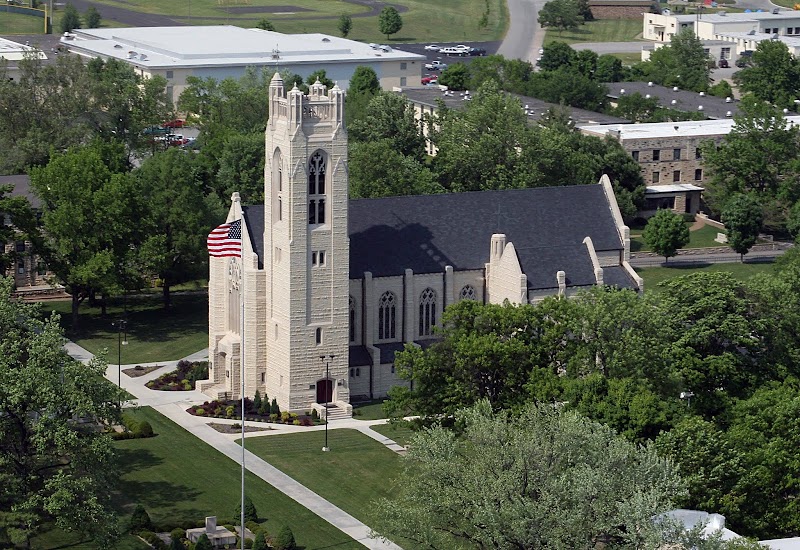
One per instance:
[(232, 411), (183, 378)]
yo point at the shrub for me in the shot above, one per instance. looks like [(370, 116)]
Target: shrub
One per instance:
[(273, 417), (200, 412), (177, 533), (296, 422), (203, 543), (257, 401), (250, 512), (260, 542), (229, 410), (264, 409), (144, 429), (236, 426), (140, 520), (130, 423), (284, 540), (254, 526), (285, 417), (274, 408), (152, 539), (314, 414)]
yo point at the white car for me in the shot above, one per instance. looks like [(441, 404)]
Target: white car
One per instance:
[(435, 66), (432, 48)]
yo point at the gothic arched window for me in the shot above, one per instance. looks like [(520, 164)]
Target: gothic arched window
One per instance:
[(316, 189), (277, 186), (467, 293), (427, 312), (386, 316), (352, 320)]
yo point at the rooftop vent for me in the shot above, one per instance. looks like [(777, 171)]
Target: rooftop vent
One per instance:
[(131, 54), (622, 91), (647, 96), (650, 84), (326, 39), (674, 88), (776, 11), (729, 114), (143, 57), (674, 102), (118, 46), (785, 111), (775, 36), (751, 32), (728, 99), (699, 107)]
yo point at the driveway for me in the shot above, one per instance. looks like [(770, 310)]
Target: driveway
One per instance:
[(524, 37)]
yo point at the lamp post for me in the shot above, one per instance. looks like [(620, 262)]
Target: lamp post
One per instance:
[(327, 360), (121, 326)]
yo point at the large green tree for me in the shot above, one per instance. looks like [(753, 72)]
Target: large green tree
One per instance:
[(90, 217), (742, 218), (682, 62), (177, 218), (773, 75), (345, 24), (389, 21), (241, 168), (71, 19), (395, 174), (390, 116), (56, 461), (561, 15), (542, 478), (666, 233)]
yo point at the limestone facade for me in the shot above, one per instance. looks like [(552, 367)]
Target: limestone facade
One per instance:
[(327, 289)]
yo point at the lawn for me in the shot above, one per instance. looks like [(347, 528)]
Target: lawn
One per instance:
[(152, 333), (424, 21), (654, 275), (355, 472), (15, 23), (400, 433), (628, 58), (702, 238), (178, 478), (371, 410), (602, 30)]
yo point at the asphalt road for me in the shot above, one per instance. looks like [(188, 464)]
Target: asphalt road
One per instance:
[(524, 37)]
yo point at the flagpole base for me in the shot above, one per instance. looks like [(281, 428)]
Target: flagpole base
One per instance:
[(326, 449)]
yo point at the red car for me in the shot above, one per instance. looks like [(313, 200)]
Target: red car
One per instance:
[(430, 79), (177, 123)]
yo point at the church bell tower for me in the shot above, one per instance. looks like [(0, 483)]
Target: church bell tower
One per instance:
[(306, 247)]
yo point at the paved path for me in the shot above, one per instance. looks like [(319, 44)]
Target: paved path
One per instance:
[(524, 37), (173, 405)]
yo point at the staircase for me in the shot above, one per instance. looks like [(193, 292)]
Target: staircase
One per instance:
[(337, 413)]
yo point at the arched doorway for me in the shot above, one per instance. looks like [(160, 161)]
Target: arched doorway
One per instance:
[(324, 391)]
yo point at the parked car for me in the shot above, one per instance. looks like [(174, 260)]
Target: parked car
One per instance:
[(455, 50), (177, 123), (435, 66), (477, 52), (432, 48), (745, 59), (430, 79), (723, 64)]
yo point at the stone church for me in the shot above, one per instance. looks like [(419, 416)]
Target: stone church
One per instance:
[(327, 289)]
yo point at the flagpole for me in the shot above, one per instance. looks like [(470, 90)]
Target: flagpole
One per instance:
[(241, 376)]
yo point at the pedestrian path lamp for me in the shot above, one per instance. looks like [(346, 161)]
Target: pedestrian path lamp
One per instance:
[(122, 326), (328, 389)]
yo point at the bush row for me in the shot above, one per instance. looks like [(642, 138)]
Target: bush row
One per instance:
[(183, 378)]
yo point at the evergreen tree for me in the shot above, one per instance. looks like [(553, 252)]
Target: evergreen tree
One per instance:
[(92, 18), (250, 512), (260, 542), (257, 401), (285, 539), (203, 543), (265, 407), (71, 19), (140, 520), (274, 408)]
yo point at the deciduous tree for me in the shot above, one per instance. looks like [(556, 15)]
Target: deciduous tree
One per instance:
[(389, 21), (560, 14), (54, 467), (742, 218), (390, 116), (395, 174), (665, 233), (682, 62), (455, 77), (71, 19), (542, 478), (773, 76), (345, 25), (265, 25), (92, 18)]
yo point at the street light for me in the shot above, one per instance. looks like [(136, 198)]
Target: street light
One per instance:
[(121, 326), (327, 360)]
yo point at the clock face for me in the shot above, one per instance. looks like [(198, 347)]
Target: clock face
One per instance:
[(234, 274)]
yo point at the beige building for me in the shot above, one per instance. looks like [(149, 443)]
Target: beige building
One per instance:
[(331, 288), (225, 51), (670, 157)]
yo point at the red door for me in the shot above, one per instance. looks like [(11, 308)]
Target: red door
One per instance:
[(324, 391)]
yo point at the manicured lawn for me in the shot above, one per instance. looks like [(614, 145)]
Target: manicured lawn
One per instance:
[(628, 58), (400, 433), (654, 275), (178, 478), (425, 21), (605, 30), (372, 410), (702, 238), (15, 23), (56, 540), (153, 334), (356, 471)]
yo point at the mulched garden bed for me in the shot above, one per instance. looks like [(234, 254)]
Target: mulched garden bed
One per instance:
[(236, 428), (139, 370)]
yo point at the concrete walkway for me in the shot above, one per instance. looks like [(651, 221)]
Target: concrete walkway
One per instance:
[(173, 405)]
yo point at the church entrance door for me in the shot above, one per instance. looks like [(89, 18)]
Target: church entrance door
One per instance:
[(324, 391)]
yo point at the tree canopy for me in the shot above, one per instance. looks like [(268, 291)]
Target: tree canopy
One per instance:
[(561, 15), (682, 62), (55, 466), (389, 21), (666, 233), (773, 74), (742, 218)]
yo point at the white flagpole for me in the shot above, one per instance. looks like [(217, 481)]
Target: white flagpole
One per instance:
[(241, 374)]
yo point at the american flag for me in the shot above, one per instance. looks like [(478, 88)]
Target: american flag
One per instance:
[(226, 240)]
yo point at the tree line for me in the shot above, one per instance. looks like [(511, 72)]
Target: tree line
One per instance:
[(706, 371)]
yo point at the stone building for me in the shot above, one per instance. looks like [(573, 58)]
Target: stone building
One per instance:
[(670, 157), (327, 289)]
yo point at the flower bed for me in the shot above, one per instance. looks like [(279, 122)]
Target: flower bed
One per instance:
[(232, 410), (183, 378)]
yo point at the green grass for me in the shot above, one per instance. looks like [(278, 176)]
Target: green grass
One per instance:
[(356, 471), (628, 58), (654, 275), (400, 433), (425, 21), (178, 478), (153, 334), (57, 539), (17, 23), (372, 410), (702, 238), (602, 30)]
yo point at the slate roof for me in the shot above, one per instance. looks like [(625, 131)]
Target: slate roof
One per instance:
[(617, 276), (21, 188), (428, 232), (359, 356), (388, 351)]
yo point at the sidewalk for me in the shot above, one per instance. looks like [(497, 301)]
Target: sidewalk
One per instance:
[(173, 405)]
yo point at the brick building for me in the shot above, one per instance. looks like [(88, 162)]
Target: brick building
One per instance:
[(621, 9)]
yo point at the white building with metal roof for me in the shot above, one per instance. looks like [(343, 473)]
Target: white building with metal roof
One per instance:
[(227, 51), (709, 26)]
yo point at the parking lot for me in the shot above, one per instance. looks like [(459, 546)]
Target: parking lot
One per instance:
[(431, 56)]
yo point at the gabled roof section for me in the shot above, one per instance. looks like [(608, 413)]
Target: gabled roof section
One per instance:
[(254, 220), (427, 233)]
